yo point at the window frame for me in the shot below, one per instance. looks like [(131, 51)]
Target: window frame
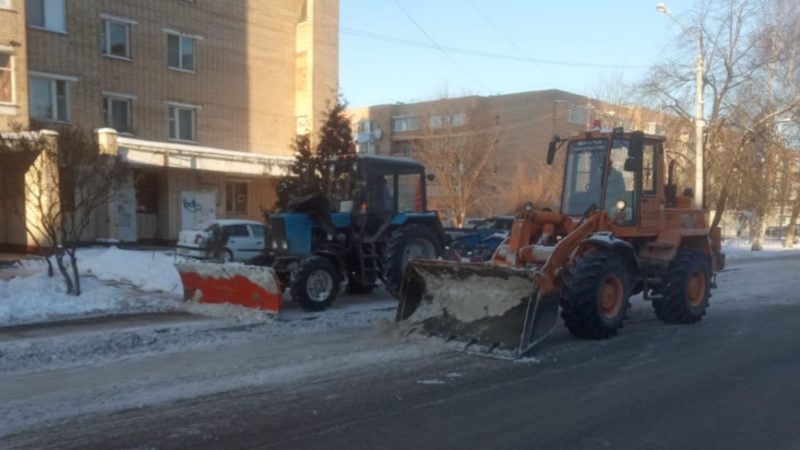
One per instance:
[(181, 37), (177, 107), (44, 26), (109, 97), (105, 44), (11, 70), (654, 148), (52, 79)]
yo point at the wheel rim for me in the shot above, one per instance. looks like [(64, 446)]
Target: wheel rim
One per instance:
[(696, 288), (319, 285), (417, 248), (611, 297)]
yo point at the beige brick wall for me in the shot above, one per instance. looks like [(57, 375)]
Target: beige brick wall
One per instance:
[(244, 81), (526, 122), (13, 41)]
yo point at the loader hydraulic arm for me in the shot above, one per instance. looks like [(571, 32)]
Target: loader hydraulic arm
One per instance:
[(548, 279)]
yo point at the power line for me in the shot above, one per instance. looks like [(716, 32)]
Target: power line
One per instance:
[(471, 52), (439, 47), (506, 36)]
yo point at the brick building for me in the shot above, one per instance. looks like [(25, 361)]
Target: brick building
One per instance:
[(202, 98), (525, 123)]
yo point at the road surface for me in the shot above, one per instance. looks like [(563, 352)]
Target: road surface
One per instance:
[(731, 381)]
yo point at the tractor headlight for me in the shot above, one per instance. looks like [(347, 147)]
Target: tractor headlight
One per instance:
[(621, 205), (285, 245), (528, 206), (274, 244)]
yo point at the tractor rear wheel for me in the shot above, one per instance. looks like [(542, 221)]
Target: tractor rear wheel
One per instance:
[(596, 296), (405, 244), (687, 289), (315, 283)]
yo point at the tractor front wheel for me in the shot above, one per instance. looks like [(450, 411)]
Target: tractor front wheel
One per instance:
[(687, 288), (596, 296), (405, 244), (315, 283)]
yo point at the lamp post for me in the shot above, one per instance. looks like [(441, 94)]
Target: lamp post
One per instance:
[(699, 121)]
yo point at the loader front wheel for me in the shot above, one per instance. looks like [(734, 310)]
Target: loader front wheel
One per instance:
[(596, 296), (405, 244), (687, 288), (315, 283)]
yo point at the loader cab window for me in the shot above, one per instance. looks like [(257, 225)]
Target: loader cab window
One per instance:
[(410, 192), (583, 183), (381, 193), (620, 184)]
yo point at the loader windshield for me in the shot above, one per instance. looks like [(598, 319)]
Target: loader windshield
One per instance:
[(583, 185)]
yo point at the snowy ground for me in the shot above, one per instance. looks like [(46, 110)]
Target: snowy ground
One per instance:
[(739, 248), (105, 367)]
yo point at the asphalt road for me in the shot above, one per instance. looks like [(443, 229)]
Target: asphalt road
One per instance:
[(729, 382)]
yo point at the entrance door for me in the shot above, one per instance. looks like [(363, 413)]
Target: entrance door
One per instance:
[(122, 213), (197, 208)]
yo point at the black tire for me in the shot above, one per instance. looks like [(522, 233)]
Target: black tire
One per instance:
[(356, 288), (687, 289), (595, 296), (393, 254), (314, 269)]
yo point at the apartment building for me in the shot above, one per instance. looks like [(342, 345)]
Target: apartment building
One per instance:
[(523, 124), (202, 98)]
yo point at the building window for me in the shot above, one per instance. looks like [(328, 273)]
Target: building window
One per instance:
[(5, 4), (115, 39), (49, 99), (182, 123), (405, 124), (6, 79), (236, 198), (117, 112), (46, 14), (181, 52), (577, 115)]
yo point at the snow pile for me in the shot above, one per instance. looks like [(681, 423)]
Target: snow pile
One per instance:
[(739, 248), (40, 298), (148, 271)]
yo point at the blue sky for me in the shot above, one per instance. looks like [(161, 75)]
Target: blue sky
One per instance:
[(610, 39)]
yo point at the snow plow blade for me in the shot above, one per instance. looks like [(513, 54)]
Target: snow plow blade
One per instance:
[(250, 286), (488, 308)]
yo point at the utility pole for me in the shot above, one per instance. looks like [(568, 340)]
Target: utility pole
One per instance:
[(699, 121)]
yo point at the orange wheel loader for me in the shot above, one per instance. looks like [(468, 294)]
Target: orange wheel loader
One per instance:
[(621, 230)]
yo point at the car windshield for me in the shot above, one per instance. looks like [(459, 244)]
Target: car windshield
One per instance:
[(583, 182)]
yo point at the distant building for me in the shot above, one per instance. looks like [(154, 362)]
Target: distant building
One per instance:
[(202, 98), (525, 121)]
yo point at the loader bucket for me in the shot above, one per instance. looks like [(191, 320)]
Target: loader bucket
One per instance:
[(250, 286), (489, 308)]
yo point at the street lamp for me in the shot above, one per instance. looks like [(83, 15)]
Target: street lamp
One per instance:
[(699, 121)]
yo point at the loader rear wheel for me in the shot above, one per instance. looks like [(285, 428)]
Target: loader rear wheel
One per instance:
[(684, 298), (596, 296), (315, 283), (405, 244)]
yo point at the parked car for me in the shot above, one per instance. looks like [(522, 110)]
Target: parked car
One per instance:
[(245, 239), (780, 232)]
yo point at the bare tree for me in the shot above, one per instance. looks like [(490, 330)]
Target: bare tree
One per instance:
[(459, 149), (67, 182)]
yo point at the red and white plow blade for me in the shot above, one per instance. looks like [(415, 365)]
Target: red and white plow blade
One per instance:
[(250, 286)]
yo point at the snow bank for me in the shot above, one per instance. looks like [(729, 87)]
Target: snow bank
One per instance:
[(148, 271), (40, 298)]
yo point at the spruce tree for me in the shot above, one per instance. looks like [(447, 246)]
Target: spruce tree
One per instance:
[(311, 173)]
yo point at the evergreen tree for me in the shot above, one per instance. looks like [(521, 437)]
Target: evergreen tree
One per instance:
[(317, 171)]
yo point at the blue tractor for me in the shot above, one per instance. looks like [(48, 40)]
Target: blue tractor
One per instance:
[(363, 232)]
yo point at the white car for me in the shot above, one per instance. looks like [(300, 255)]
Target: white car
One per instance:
[(245, 239)]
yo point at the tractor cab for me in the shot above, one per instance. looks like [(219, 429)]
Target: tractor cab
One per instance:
[(616, 172), (383, 189)]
